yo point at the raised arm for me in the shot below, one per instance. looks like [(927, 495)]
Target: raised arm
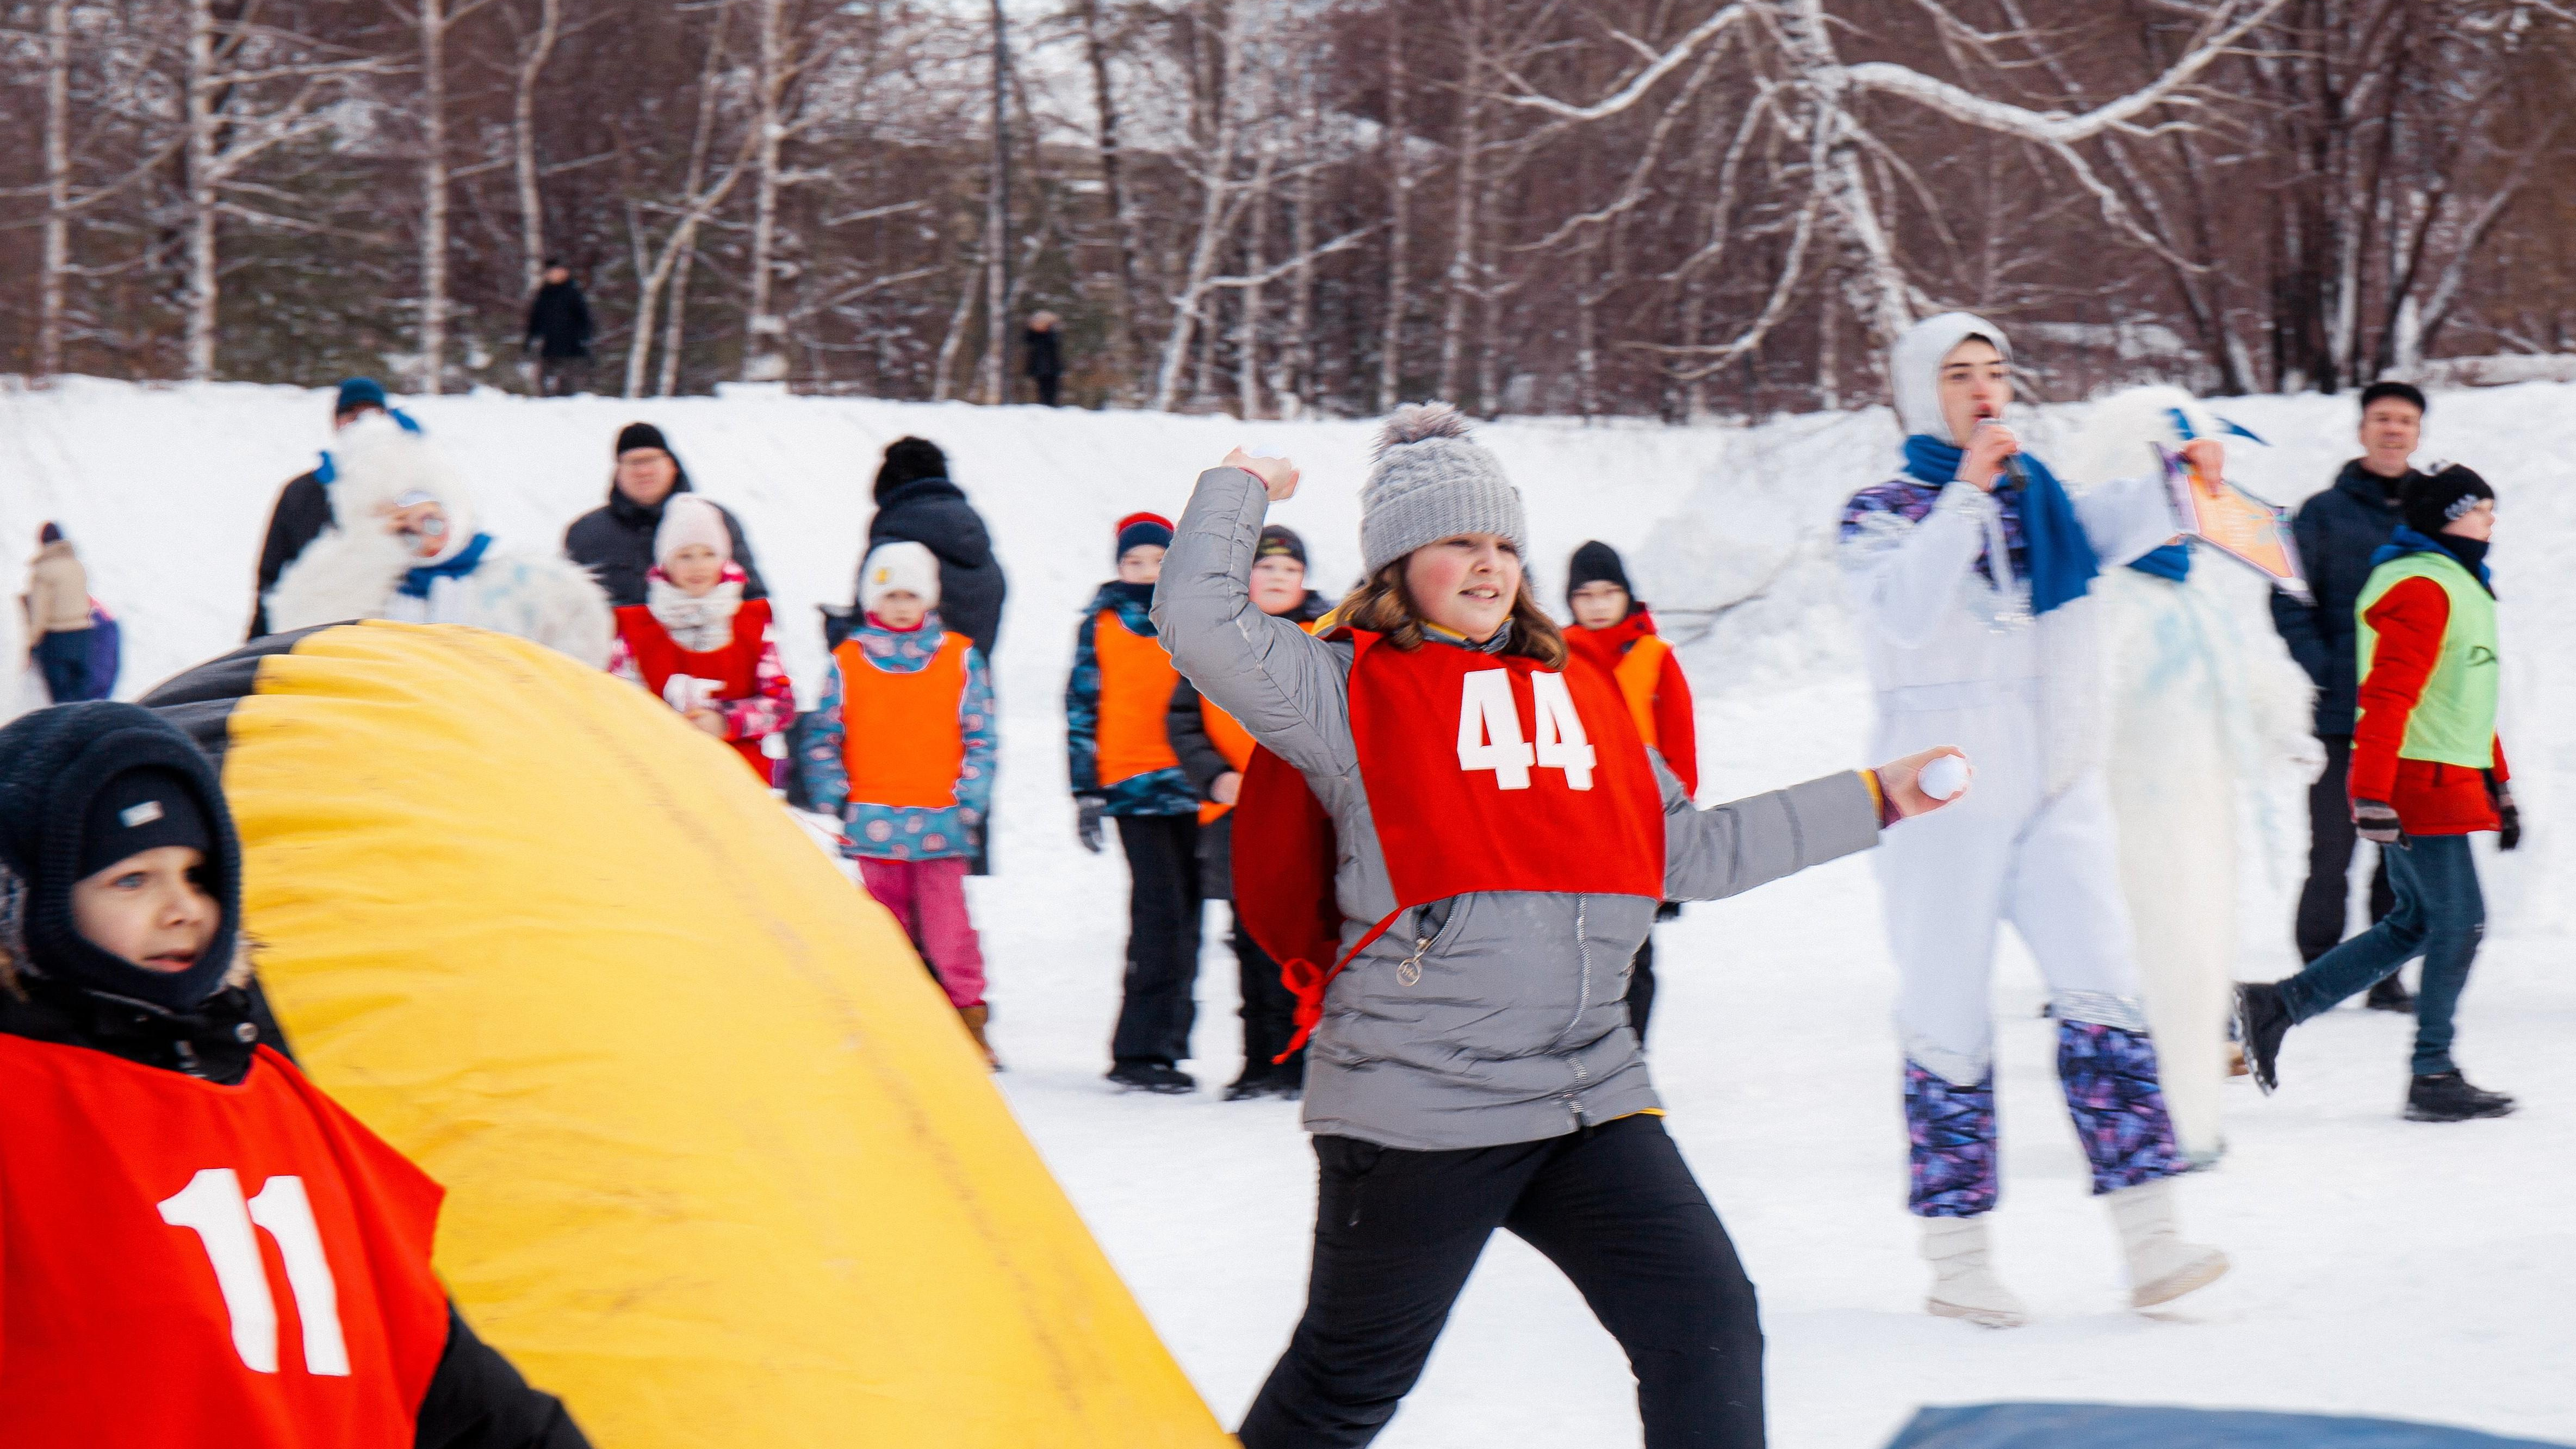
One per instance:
[(1289, 688), (1731, 848), (2126, 518)]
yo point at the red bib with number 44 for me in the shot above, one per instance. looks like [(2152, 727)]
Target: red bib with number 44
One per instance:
[(1491, 772), (189, 1264)]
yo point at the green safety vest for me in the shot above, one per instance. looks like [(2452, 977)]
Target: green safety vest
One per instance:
[(2454, 723)]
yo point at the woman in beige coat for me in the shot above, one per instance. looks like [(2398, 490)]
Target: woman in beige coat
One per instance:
[(58, 623)]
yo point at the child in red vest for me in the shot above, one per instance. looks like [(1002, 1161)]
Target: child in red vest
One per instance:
[(1119, 754), (1503, 839), (1214, 751), (901, 750), (700, 645), (202, 1249), (1615, 631)]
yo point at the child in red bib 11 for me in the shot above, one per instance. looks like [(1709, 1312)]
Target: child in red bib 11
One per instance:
[(700, 645), (901, 750), (202, 1249), (1615, 630), (1504, 838)]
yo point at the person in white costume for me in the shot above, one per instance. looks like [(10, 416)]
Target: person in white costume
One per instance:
[(2208, 712), (1969, 571), (403, 545)]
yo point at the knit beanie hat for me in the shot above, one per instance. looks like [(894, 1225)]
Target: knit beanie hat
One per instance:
[(357, 393), (899, 567), (1139, 529), (50, 533), (909, 460), (688, 519), (80, 785), (1279, 541), (641, 435), (1597, 563), (2432, 502), (1429, 483)]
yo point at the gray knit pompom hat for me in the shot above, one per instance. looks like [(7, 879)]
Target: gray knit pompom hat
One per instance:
[(1431, 482)]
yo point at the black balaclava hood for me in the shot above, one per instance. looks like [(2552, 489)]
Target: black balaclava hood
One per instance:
[(909, 460), (55, 764), (1598, 563)]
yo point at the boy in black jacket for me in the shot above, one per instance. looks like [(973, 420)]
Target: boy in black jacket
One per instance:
[(174, 1194)]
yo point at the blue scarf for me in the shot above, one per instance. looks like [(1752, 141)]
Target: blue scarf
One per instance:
[(2166, 561), (2062, 562), (416, 582), (329, 472), (2406, 540)]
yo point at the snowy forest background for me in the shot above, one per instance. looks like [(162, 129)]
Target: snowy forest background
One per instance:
[(1661, 208)]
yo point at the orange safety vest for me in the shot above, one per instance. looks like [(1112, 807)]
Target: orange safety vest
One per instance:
[(901, 742), (1136, 679), (1233, 741), (1638, 672)]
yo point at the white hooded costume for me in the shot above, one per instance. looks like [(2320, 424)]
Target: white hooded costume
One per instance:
[(2207, 712), (361, 570)]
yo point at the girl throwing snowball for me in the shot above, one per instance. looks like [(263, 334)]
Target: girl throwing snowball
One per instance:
[(1504, 839)]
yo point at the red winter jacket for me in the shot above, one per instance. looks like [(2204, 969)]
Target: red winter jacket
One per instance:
[(1676, 733), (2430, 798)]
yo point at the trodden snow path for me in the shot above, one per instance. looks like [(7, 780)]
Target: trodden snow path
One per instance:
[(2381, 1266)]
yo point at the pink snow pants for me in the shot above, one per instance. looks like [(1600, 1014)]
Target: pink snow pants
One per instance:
[(928, 899)]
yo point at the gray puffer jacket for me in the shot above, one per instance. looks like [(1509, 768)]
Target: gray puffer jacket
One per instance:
[(1514, 1030)]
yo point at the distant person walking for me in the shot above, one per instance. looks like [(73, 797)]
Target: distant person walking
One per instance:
[(303, 507), (58, 621), (2338, 531), (615, 541), (558, 332), (1046, 357)]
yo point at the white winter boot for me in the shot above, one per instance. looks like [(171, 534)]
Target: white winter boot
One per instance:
[(1964, 1284), (2162, 1267)]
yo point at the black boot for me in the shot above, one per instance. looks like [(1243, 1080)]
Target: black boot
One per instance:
[(2391, 995), (2448, 1097), (2262, 1019), (1150, 1076)]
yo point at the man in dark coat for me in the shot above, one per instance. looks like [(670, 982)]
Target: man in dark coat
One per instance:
[(1046, 355), (304, 507), (2337, 532), (917, 504), (558, 332), (615, 541)]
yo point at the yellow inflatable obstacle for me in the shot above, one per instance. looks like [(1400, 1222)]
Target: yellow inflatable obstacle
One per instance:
[(722, 1167)]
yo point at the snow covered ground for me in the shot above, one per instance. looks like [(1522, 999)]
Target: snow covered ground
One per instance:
[(2382, 1267)]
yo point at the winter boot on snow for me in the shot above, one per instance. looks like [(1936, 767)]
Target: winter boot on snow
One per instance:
[(977, 1017), (1964, 1284), (1159, 1077), (2162, 1267), (2390, 994), (2448, 1097), (2262, 1019)]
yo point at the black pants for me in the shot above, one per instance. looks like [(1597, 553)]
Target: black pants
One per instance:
[(1614, 1207), (2331, 839), (62, 656), (562, 376), (1641, 987), (1163, 903), (1048, 385), (1269, 1012)]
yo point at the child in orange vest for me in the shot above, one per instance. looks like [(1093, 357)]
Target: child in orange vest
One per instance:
[(901, 751), (1614, 630), (1214, 750), (177, 1199), (1119, 755), (697, 643)]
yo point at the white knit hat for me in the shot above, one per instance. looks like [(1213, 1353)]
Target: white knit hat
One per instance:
[(1431, 482), (688, 519), (899, 567)]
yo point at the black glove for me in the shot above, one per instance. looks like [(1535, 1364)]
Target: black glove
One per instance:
[(2376, 822), (1086, 823), (2508, 818)]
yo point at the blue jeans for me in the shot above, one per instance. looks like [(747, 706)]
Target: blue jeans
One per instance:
[(2440, 916), (63, 658)]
